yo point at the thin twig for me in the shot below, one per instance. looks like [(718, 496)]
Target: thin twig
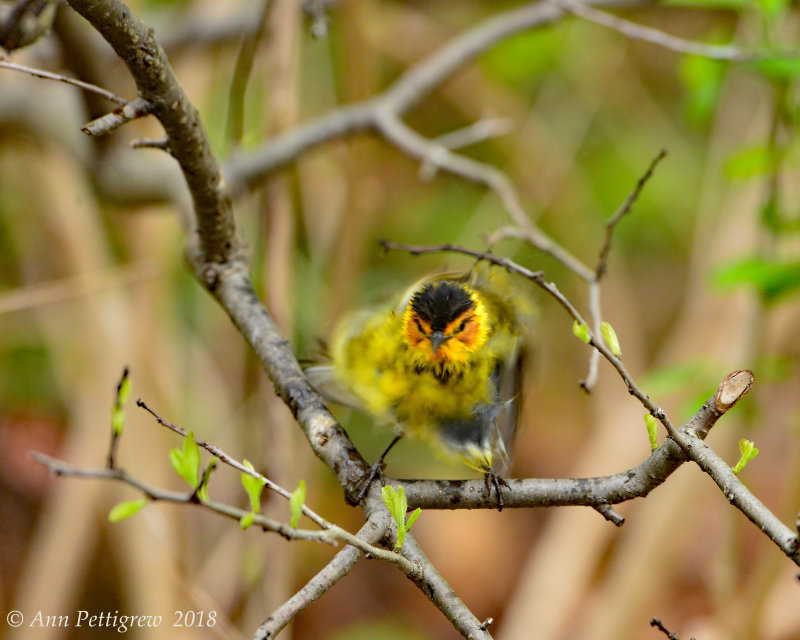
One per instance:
[(328, 535), (595, 312), (607, 511), (110, 122), (479, 131), (552, 289), (48, 75), (654, 36), (506, 263), (151, 143), (624, 209), (655, 622), (540, 241), (232, 462), (60, 468)]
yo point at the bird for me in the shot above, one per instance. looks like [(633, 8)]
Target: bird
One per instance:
[(441, 364)]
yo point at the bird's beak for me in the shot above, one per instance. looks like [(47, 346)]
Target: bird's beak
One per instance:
[(437, 339)]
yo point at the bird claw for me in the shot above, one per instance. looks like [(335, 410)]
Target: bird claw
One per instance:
[(375, 473), (493, 480)]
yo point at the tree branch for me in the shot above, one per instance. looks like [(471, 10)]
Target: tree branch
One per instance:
[(60, 468), (372, 532), (624, 209), (407, 91), (231, 286), (654, 36), (110, 122), (433, 585), (235, 464), (329, 535), (48, 75), (136, 45), (636, 482)]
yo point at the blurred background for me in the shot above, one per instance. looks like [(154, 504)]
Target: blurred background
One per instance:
[(703, 279)]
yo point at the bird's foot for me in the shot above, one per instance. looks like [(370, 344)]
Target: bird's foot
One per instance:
[(493, 480), (375, 473)]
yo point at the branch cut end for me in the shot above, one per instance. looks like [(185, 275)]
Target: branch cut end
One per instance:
[(733, 388)]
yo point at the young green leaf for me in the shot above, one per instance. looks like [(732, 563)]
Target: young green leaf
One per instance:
[(246, 520), (397, 504), (253, 486), (413, 518), (296, 503), (610, 338), (117, 411), (186, 460), (202, 490), (581, 331), (652, 430), (748, 451), (124, 510)]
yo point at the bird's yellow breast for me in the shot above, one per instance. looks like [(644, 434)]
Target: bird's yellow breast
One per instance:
[(399, 378), (434, 366)]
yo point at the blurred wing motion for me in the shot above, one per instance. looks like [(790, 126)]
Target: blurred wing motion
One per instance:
[(443, 365)]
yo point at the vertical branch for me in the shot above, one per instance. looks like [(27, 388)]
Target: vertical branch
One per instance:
[(137, 46), (241, 77)]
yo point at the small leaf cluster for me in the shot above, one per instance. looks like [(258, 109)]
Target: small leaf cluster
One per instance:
[(397, 504), (581, 331), (186, 462), (253, 487), (748, 451)]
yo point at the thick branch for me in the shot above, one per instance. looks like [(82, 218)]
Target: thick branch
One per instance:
[(232, 288), (433, 585), (136, 45), (591, 492), (341, 564)]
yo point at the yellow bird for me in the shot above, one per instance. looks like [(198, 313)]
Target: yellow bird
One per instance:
[(440, 365)]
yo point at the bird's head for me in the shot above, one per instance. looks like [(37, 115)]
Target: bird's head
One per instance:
[(444, 322)]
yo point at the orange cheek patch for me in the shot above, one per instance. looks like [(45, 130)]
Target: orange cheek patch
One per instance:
[(471, 335), (413, 335)]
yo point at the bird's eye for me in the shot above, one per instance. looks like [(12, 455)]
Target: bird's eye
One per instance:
[(419, 326), (463, 324)]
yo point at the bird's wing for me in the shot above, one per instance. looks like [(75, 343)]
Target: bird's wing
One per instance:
[(324, 379)]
